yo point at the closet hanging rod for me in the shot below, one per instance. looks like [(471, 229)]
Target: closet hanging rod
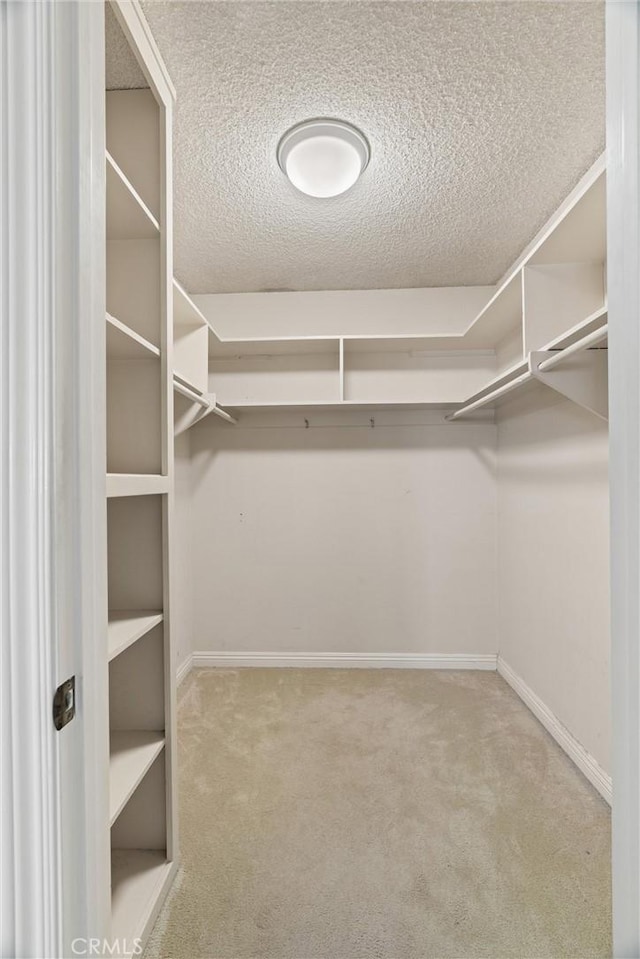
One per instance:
[(590, 340), (493, 395), (191, 394)]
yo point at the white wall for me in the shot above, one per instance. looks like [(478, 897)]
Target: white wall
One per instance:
[(553, 548), (344, 538), (406, 538), (182, 595)]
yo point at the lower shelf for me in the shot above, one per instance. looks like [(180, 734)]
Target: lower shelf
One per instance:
[(131, 754), (139, 880)]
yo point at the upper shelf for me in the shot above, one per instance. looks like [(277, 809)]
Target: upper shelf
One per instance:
[(128, 217), (185, 312)]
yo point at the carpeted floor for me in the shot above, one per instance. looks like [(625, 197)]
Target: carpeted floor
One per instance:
[(379, 814)]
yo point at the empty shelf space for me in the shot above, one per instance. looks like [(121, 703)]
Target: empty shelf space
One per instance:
[(128, 217), (128, 625), (125, 343), (138, 879), (131, 754), (136, 484)]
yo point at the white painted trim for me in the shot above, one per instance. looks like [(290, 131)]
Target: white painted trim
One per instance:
[(137, 31), (226, 658), (52, 471), (574, 750), (184, 669), (623, 284)]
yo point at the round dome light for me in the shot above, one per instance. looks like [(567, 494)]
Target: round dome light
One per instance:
[(323, 158)]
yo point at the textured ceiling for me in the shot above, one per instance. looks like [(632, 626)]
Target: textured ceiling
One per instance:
[(481, 118), (122, 69)]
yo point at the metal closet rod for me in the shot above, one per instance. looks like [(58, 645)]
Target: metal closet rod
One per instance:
[(590, 340), (500, 391)]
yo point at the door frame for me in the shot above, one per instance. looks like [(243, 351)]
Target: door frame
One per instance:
[(623, 281), (52, 474)]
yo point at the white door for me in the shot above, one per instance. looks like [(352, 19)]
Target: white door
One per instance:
[(52, 520)]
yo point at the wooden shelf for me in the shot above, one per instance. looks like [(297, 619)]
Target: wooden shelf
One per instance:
[(136, 484), (128, 217), (139, 878), (125, 343), (131, 753), (128, 625)]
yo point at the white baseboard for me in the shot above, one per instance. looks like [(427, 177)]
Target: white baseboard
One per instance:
[(347, 660), (184, 669), (583, 760)]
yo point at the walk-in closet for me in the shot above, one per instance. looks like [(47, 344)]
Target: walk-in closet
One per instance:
[(357, 480)]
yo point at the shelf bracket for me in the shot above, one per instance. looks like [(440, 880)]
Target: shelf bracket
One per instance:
[(582, 378)]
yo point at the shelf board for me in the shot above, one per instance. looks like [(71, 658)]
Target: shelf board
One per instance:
[(328, 406), (139, 880), (126, 626), (501, 316), (185, 312), (272, 346), (136, 484), (131, 754), (125, 343), (128, 217)]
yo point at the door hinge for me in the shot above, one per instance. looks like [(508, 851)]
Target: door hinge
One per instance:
[(64, 703)]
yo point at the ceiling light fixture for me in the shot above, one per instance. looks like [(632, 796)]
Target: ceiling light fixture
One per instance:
[(323, 158)]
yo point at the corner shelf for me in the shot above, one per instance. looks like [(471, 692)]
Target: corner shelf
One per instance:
[(131, 754), (127, 626), (128, 217)]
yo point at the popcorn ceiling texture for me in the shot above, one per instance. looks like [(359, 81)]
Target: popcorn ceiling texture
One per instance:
[(122, 69), (481, 117)]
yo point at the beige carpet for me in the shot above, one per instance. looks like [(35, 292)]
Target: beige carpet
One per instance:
[(399, 814)]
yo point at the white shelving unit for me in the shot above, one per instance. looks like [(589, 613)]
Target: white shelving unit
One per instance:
[(553, 295), (191, 333), (139, 341)]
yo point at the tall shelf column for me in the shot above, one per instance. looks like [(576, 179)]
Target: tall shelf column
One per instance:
[(139, 336)]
